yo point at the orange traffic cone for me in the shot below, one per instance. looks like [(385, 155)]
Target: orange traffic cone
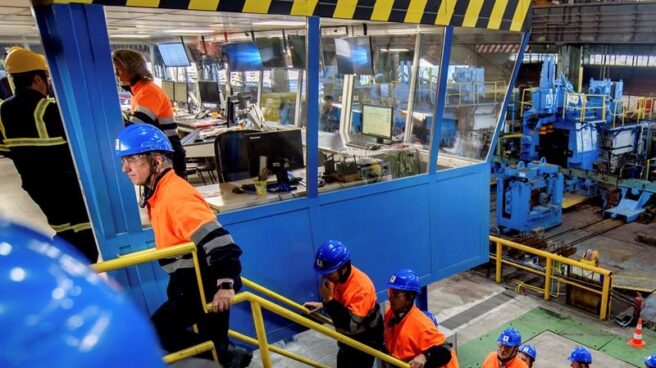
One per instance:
[(637, 341)]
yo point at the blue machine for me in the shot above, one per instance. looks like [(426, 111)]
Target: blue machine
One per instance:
[(631, 205), (529, 196), (469, 84)]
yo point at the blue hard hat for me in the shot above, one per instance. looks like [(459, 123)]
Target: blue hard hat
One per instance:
[(432, 318), (529, 350), (650, 361), (510, 337), (406, 280), (141, 138), (580, 355), (56, 312), (331, 255)]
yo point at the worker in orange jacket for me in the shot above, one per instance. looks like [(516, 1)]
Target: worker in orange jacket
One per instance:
[(150, 104), (410, 335), (179, 214), (349, 297), (507, 348)]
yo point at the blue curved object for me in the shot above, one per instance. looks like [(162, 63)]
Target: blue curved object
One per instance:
[(580, 355), (650, 361), (510, 337), (405, 279), (56, 312), (529, 350), (331, 255), (141, 138)]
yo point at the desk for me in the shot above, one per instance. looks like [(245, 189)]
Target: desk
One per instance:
[(221, 198)]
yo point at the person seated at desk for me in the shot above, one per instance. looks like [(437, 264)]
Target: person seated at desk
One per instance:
[(329, 119)]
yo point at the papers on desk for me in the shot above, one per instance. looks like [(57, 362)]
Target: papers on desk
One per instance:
[(208, 123), (209, 191)]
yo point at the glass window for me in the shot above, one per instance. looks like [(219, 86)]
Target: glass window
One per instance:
[(245, 82), (426, 88), (389, 86), (279, 91), (331, 87), (477, 81)]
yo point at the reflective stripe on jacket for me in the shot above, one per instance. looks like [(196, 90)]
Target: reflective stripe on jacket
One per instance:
[(413, 335)]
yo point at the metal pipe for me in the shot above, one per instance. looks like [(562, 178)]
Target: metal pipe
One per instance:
[(191, 351), (143, 257), (258, 321), (498, 263), (547, 279), (273, 295), (272, 307), (277, 350)]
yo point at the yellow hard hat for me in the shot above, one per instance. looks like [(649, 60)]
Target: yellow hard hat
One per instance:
[(19, 60)]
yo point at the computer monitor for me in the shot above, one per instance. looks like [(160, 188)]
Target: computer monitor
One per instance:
[(181, 90), (244, 99), (243, 56), (232, 106), (296, 45), (354, 55), (377, 121), (168, 88), (209, 92), (173, 54), (282, 150), (271, 52)]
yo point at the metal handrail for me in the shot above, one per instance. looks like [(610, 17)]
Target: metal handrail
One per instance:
[(149, 255), (153, 254), (257, 303), (283, 300), (191, 351), (548, 270)]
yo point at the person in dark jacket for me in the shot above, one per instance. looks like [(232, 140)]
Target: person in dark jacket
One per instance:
[(32, 135)]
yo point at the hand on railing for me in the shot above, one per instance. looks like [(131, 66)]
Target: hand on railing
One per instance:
[(222, 300)]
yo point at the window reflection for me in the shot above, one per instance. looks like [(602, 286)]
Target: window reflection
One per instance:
[(426, 88), (476, 84)]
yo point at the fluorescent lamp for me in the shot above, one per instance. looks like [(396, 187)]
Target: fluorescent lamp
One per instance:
[(190, 31), (394, 50), (129, 36), (282, 23)]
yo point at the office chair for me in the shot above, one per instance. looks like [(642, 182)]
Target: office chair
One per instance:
[(231, 153), (198, 166)]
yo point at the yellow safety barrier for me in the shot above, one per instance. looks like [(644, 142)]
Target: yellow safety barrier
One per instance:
[(548, 272), (277, 350), (583, 97), (257, 303), (524, 101), (281, 299), (191, 351)]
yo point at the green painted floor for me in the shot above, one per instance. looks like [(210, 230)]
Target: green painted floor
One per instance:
[(539, 320)]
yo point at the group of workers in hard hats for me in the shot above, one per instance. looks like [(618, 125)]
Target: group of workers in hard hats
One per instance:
[(179, 214)]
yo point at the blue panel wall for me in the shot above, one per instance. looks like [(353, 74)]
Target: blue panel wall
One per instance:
[(434, 223)]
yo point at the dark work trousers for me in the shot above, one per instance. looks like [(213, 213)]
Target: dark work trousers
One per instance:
[(174, 318), (348, 357)]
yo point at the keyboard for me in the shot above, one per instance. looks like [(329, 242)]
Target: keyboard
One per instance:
[(364, 145)]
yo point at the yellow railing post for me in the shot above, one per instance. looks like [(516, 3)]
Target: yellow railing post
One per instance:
[(605, 295), (258, 320), (498, 260), (547, 279)]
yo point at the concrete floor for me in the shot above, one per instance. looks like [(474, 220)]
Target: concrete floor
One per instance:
[(473, 307)]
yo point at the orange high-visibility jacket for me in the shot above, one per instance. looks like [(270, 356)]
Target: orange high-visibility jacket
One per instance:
[(492, 361), (413, 335)]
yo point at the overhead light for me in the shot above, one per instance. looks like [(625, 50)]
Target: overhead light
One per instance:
[(189, 31), (128, 36), (281, 23), (394, 50)]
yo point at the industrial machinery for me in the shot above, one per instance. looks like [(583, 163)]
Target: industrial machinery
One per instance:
[(529, 196), (588, 135)]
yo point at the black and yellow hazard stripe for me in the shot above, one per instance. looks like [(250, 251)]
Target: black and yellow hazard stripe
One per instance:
[(490, 14)]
